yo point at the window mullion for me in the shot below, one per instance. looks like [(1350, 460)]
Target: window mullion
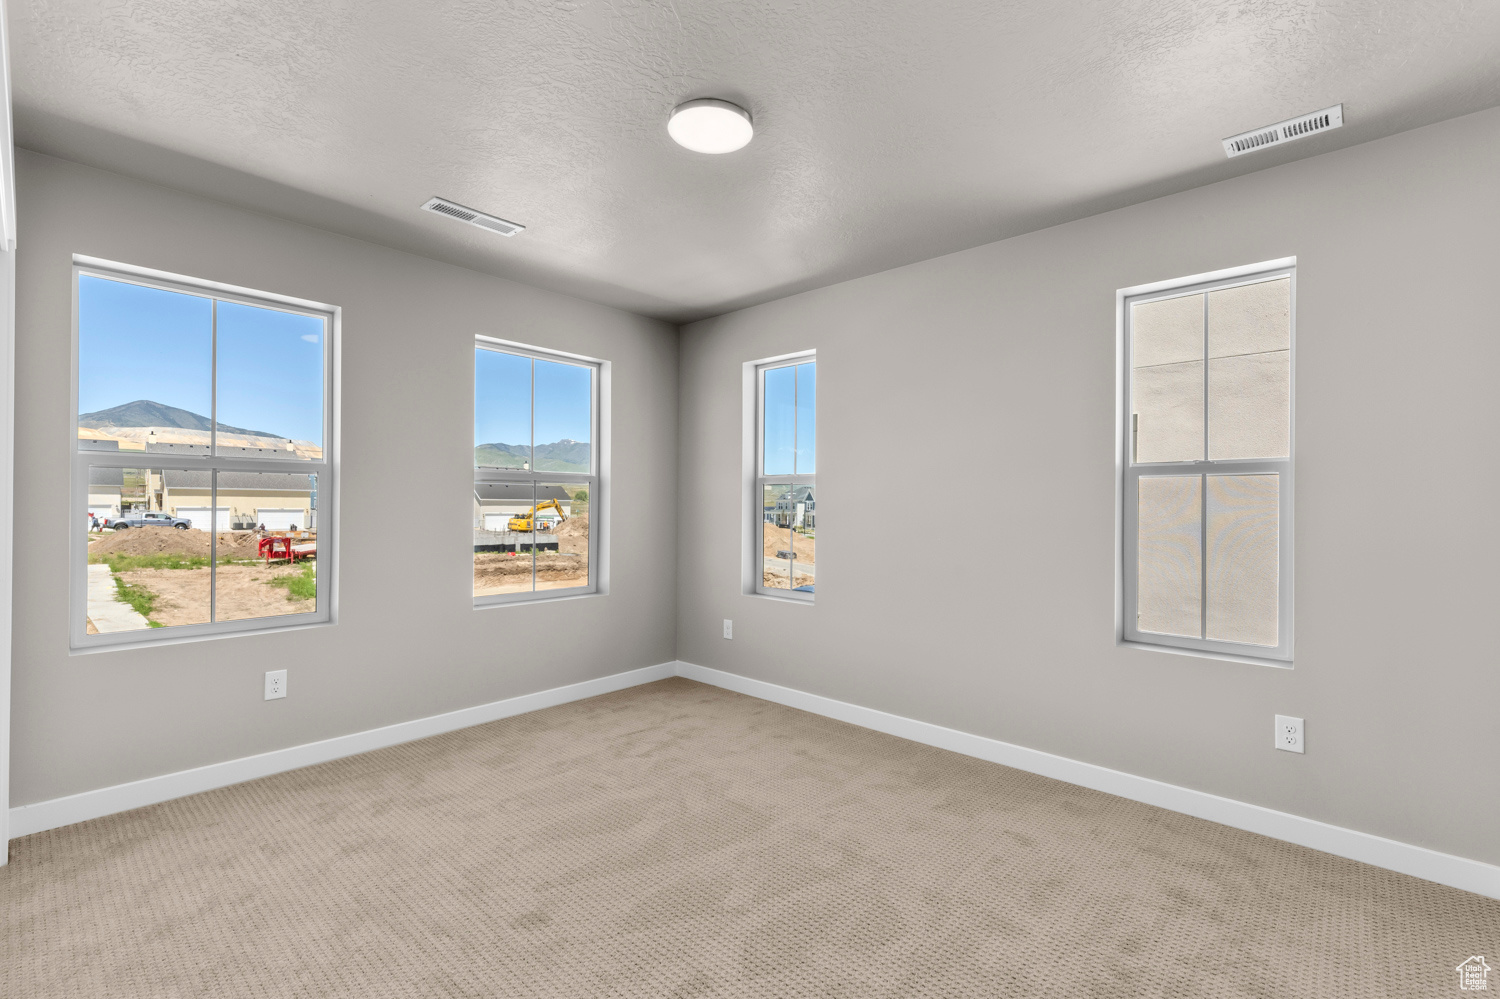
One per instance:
[(213, 545), (213, 384)]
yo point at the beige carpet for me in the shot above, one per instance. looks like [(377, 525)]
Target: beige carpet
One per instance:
[(677, 840)]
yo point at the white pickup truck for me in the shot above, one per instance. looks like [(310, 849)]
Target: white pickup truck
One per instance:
[(151, 520)]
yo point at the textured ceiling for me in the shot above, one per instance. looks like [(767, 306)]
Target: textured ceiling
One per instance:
[(888, 131)]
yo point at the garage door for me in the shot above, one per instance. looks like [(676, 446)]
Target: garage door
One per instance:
[(103, 512), (280, 518), (199, 516)]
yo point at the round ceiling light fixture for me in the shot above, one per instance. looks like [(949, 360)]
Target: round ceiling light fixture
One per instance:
[(710, 126)]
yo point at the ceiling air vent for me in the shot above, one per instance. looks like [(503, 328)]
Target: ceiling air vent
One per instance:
[(469, 215), (1286, 131)]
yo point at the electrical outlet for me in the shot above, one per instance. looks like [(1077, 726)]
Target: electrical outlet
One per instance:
[(275, 684), (1289, 733), (728, 628)]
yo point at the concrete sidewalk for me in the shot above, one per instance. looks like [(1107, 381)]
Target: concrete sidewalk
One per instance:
[(106, 610)]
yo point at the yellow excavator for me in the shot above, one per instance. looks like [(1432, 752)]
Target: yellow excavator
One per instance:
[(523, 521)]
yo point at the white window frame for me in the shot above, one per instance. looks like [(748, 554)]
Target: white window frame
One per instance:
[(1129, 472), (326, 468), (593, 480), (756, 556)]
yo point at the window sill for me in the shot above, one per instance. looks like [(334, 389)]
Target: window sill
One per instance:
[(1204, 654), (802, 601), (490, 603), (151, 643)]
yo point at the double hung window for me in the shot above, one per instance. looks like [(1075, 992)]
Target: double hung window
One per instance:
[(785, 482), (1207, 466), (536, 473), (202, 472)]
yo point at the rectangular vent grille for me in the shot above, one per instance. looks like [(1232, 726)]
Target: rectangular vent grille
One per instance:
[(1286, 131), (469, 215)]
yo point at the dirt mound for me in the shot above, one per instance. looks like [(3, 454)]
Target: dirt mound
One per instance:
[(152, 541), (776, 541), (170, 541), (573, 535), (574, 527)]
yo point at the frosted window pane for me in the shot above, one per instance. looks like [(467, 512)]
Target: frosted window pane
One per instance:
[(1166, 332), (1249, 371), (1243, 533), (1169, 597), (1250, 405), (1166, 357), (1250, 319), (1168, 411)]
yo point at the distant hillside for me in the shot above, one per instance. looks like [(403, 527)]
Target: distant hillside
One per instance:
[(145, 413), (560, 456)]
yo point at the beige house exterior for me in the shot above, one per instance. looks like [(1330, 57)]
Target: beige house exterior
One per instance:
[(279, 500), (496, 502), (104, 492)]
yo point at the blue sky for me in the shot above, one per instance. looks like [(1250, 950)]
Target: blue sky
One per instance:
[(145, 343), (790, 410), (502, 399)]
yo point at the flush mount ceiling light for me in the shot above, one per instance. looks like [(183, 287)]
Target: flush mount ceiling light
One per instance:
[(710, 126)]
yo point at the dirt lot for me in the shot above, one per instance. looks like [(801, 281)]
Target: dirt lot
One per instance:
[(170, 541), (510, 572), (183, 594), (774, 582), (244, 592), (776, 541)]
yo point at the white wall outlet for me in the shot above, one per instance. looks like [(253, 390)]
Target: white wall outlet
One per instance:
[(728, 628), (275, 684), (1289, 733)]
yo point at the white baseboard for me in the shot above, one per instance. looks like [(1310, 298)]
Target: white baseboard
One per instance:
[(1457, 872), (27, 819)]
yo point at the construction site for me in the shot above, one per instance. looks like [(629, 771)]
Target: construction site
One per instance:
[(790, 557), (156, 577), (551, 555)]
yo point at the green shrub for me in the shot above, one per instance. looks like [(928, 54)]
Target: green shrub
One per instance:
[(141, 600), (300, 586)]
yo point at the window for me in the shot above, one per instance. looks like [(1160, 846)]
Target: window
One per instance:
[(785, 490), (201, 453), (536, 473), (1206, 490)]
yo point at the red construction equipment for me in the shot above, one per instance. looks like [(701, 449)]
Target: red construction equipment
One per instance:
[(274, 548)]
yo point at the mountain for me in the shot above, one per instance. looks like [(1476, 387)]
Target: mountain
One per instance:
[(145, 413), (560, 456)]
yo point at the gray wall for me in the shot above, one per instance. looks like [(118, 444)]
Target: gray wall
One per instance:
[(979, 388), (407, 642)]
